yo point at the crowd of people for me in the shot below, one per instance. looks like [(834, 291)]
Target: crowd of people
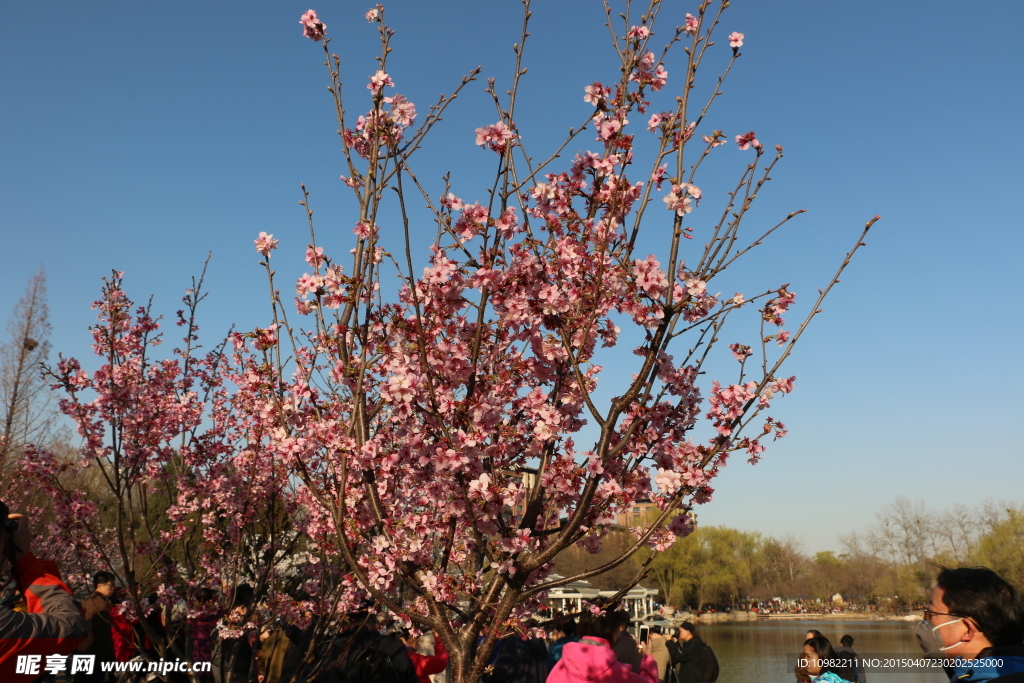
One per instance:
[(974, 624)]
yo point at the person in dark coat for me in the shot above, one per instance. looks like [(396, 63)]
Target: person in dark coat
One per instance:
[(233, 660), (624, 644), (854, 668), (339, 658), (516, 660), (687, 655), (100, 642)]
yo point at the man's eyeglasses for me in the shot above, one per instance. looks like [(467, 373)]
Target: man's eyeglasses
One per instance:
[(928, 614)]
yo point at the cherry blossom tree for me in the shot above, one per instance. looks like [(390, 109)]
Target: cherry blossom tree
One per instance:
[(450, 438), (188, 498), (436, 434)]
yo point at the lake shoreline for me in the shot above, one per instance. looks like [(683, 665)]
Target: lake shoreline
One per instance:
[(734, 617)]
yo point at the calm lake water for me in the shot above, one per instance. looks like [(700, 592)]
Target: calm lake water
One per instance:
[(763, 651)]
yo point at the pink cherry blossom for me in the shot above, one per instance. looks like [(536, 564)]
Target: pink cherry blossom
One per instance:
[(659, 78), (649, 276), (695, 286), (682, 197), (315, 256), (372, 15), (735, 40), (452, 202), (595, 93), (747, 140), (773, 310), (647, 74), (754, 450), (677, 201), (608, 127), (379, 81), (402, 112), (741, 351), (682, 525), (265, 338), (265, 243), (495, 136), (690, 25), (364, 231), (312, 27), (660, 175), (716, 139), (638, 32)]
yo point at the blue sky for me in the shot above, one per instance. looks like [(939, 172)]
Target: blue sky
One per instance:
[(140, 136)]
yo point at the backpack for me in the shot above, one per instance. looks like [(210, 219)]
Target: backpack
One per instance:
[(709, 673), (369, 665), (364, 657)]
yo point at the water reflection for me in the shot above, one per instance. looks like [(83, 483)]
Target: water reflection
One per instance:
[(757, 651)]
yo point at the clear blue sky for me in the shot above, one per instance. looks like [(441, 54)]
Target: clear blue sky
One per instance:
[(140, 136)]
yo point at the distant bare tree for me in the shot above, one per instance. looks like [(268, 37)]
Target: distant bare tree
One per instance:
[(864, 570), (959, 530), (781, 564), (904, 534), (27, 414)]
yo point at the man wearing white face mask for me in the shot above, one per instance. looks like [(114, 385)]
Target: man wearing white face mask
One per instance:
[(979, 620)]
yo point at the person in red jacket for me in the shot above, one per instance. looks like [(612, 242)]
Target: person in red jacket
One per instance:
[(53, 624), (121, 630), (425, 665)]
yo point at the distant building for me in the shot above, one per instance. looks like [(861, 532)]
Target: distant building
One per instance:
[(637, 514), (527, 476), (639, 601)]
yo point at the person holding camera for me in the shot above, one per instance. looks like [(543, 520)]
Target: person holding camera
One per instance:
[(53, 625)]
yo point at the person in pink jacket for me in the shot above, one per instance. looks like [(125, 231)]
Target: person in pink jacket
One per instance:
[(592, 660)]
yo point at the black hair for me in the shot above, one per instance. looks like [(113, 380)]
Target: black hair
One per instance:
[(242, 596), (846, 641), (596, 626), (979, 594), (688, 626), (206, 594), (656, 630), (568, 627), (8, 526), (815, 633), (102, 577), (619, 617), (823, 648)]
